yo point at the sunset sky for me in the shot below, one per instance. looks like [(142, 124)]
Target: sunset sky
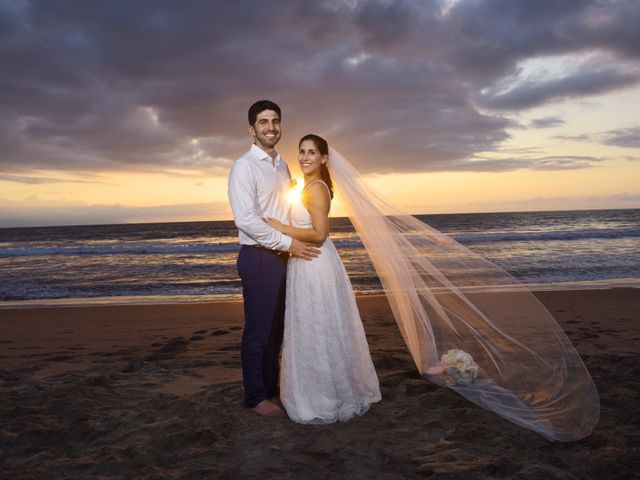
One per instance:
[(133, 111)]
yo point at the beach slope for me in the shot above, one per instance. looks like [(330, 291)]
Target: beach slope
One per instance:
[(155, 392)]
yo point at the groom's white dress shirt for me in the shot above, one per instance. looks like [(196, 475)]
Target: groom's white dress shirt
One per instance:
[(258, 187)]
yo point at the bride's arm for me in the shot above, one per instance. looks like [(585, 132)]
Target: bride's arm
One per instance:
[(318, 206)]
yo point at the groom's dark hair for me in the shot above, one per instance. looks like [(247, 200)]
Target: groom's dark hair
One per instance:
[(261, 106)]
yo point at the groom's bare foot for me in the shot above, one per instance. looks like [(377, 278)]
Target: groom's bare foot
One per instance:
[(267, 409)]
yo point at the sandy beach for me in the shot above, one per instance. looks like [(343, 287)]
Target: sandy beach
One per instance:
[(155, 392)]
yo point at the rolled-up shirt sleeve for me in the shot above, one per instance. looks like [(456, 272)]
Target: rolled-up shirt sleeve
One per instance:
[(246, 212)]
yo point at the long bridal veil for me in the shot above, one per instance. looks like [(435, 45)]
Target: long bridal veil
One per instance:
[(468, 324)]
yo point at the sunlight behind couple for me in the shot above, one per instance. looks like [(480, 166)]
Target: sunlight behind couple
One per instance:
[(295, 192), (294, 196)]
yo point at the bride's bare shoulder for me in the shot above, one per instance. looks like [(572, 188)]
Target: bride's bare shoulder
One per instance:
[(318, 187), (317, 193)]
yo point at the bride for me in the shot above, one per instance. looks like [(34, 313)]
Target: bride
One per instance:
[(469, 325), (326, 368)]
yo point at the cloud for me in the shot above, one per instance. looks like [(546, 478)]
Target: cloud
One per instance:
[(623, 137), (494, 36), (576, 138), (578, 202), (161, 86), (624, 196), (36, 180), (564, 162), (526, 93), (525, 162), (546, 122), (36, 212), (622, 200), (620, 137)]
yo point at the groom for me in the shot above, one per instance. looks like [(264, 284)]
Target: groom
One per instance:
[(258, 184)]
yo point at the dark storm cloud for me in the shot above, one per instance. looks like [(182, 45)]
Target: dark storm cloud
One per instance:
[(492, 35), (531, 93), (161, 85)]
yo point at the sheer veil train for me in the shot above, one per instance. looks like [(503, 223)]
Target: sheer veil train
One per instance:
[(468, 324)]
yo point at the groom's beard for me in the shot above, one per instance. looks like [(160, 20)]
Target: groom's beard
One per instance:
[(269, 142)]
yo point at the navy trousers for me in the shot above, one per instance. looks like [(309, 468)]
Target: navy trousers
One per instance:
[(263, 274)]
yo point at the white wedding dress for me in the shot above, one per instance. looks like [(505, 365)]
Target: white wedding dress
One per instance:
[(326, 372)]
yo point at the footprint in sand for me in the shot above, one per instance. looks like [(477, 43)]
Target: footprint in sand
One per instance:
[(134, 365), (229, 348), (60, 358), (219, 332), (170, 350)]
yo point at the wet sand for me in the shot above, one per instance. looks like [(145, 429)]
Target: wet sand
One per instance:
[(155, 392)]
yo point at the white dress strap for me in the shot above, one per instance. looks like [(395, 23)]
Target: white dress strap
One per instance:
[(318, 181)]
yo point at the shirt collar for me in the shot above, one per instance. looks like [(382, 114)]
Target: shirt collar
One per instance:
[(260, 154)]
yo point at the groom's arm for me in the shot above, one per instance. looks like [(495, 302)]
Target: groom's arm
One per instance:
[(242, 197)]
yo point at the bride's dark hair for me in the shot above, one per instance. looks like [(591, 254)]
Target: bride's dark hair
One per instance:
[(323, 147)]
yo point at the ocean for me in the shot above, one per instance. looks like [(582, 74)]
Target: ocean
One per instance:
[(196, 261)]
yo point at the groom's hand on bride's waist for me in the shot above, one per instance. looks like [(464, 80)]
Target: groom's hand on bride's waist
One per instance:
[(305, 250)]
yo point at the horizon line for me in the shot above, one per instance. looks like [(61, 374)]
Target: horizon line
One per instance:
[(340, 217)]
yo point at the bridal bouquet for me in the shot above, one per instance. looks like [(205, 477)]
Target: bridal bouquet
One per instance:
[(459, 367)]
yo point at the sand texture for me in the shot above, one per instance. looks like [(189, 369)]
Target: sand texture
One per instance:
[(155, 392)]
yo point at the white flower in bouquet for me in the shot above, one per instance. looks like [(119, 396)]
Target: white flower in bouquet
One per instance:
[(459, 367)]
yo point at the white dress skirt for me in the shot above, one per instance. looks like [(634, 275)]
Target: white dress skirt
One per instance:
[(326, 372)]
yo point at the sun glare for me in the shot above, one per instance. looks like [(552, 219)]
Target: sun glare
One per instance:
[(295, 191)]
